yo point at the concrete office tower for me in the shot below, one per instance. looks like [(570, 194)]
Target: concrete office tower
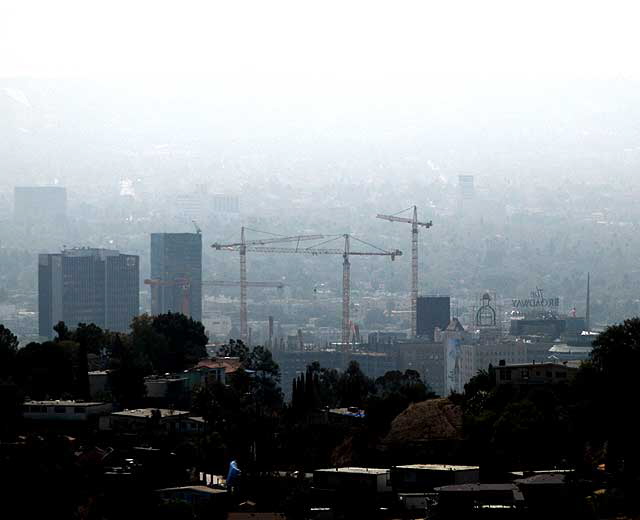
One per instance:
[(176, 258), (86, 285), (432, 312), (40, 204)]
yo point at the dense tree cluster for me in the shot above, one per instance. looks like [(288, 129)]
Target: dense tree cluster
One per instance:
[(58, 369), (584, 423)]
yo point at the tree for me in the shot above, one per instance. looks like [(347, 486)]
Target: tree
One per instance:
[(612, 371), (235, 349), (90, 337), (354, 386), (46, 370), (127, 376), (185, 337), (261, 362), (62, 331), (8, 351), (265, 380), (150, 347), (326, 382), (394, 392)]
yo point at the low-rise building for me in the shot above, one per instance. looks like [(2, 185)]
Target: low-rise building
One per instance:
[(353, 479), (460, 500), (157, 420), (74, 411), (426, 477), (98, 383), (194, 495), (535, 373), (165, 388), (209, 371)]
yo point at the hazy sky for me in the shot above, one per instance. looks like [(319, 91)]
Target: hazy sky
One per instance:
[(477, 86), (319, 48)]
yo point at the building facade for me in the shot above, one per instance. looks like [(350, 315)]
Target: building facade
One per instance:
[(99, 286), (432, 312), (535, 373), (176, 262)]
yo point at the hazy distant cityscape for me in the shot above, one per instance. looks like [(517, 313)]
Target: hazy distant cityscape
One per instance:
[(264, 263)]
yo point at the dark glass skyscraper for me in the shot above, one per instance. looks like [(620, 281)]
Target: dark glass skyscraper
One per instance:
[(98, 286), (176, 260), (432, 312)]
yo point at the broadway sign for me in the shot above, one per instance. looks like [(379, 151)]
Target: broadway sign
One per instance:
[(536, 300)]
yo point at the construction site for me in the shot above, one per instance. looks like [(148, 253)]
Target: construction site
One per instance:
[(174, 287)]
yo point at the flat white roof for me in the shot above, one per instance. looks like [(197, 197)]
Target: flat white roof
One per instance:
[(359, 471), (147, 412), (439, 467), (199, 489), (64, 403)]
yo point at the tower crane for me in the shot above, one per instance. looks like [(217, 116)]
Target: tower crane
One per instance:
[(250, 245), (415, 225), (234, 283), (346, 252), (185, 286)]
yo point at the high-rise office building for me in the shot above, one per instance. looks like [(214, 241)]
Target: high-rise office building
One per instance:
[(86, 285), (432, 312), (176, 267), (43, 204)]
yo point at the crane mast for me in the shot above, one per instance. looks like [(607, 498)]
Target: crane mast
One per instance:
[(415, 225), (346, 292), (263, 246), (414, 273), (244, 335), (242, 247)]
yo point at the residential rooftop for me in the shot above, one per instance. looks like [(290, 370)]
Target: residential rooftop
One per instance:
[(199, 489), (51, 402), (148, 412), (355, 470), (439, 467), (350, 411), (470, 488)]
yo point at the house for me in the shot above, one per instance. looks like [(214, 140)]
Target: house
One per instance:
[(157, 420), (68, 411), (213, 370)]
